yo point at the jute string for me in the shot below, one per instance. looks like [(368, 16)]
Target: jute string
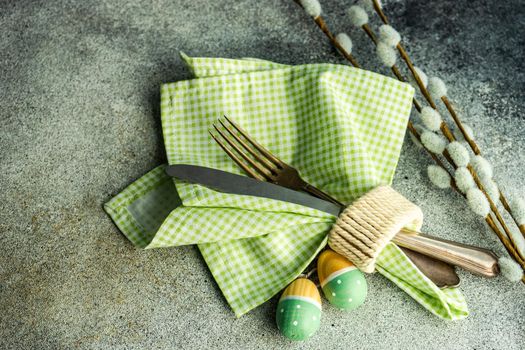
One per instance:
[(364, 228)]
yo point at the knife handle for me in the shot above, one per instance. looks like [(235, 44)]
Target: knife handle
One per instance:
[(474, 259)]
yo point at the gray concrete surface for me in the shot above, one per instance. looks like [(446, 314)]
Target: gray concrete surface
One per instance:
[(79, 114)]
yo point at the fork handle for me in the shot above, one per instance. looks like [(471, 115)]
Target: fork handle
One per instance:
[(320, 194), (474, 259)]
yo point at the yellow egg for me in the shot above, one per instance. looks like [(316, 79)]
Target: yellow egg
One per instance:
[(329, 262), (302, 287)]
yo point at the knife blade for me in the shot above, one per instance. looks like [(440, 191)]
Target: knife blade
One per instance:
[(238, 184)]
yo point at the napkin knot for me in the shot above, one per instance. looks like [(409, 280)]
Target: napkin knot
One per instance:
[(364, 228)]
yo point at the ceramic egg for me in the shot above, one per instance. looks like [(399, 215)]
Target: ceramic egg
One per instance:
[(299, 310), (342, 283)]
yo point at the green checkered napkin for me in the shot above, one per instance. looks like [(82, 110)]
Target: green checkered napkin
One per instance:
[(342, 127)]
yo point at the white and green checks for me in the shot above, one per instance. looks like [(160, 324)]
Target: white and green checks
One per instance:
[(342, 127)]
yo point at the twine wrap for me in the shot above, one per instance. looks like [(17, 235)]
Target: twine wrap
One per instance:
[(364, 228)]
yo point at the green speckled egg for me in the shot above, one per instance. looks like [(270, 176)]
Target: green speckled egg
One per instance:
[(299, 310), (343, 284)]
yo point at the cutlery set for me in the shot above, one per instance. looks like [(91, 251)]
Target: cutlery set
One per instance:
[(274, 179)]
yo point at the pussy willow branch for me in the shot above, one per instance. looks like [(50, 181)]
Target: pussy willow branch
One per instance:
[(447, 133), (321, 23), (489, 219), (448, 105)]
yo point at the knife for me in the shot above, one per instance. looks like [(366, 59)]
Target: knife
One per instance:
[(477, 260), (238, 184)]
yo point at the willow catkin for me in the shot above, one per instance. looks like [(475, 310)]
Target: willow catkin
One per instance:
[(344, 40), (437, 88), (464, 180), (431, 118), (388, 35), (311, 7), (433, 142), (439, 176), (358, 16), (477, 202), (459, 154), (510, 269)]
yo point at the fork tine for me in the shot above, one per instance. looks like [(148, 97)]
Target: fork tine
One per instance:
[(237, 159), (269, 165), (257, 145), (263, 171)]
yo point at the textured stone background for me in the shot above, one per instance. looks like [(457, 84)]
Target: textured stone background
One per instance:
[(79, 84)]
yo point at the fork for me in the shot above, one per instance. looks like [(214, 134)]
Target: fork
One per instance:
[(264, 166), (267, 167)]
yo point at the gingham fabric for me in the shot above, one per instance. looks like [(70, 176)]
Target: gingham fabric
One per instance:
[(342, 127), (446, 303)]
